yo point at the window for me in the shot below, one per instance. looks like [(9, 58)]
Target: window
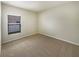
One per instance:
[(14, 24)]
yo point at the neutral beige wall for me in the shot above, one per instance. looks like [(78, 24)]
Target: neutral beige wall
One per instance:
[(0, 23), (61, 22), (0, 28), (28, 23)]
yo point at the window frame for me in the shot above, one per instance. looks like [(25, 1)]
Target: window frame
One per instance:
[(14, 24)]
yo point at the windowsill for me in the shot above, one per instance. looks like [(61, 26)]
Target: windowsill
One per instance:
[(14, 32)]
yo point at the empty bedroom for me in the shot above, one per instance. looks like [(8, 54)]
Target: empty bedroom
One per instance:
[(39, 28)]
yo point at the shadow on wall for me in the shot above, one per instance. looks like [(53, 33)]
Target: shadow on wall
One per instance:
[(0, 28)]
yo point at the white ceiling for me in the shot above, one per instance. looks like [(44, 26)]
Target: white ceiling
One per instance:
[(36, 6)]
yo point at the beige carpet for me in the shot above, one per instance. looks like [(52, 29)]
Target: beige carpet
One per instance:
[(39, 46)]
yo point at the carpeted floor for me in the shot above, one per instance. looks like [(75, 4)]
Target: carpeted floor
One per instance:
[(39, 46)]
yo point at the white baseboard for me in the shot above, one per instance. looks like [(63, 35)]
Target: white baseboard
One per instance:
[(18, 38), (61, 39), (45, 35)]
